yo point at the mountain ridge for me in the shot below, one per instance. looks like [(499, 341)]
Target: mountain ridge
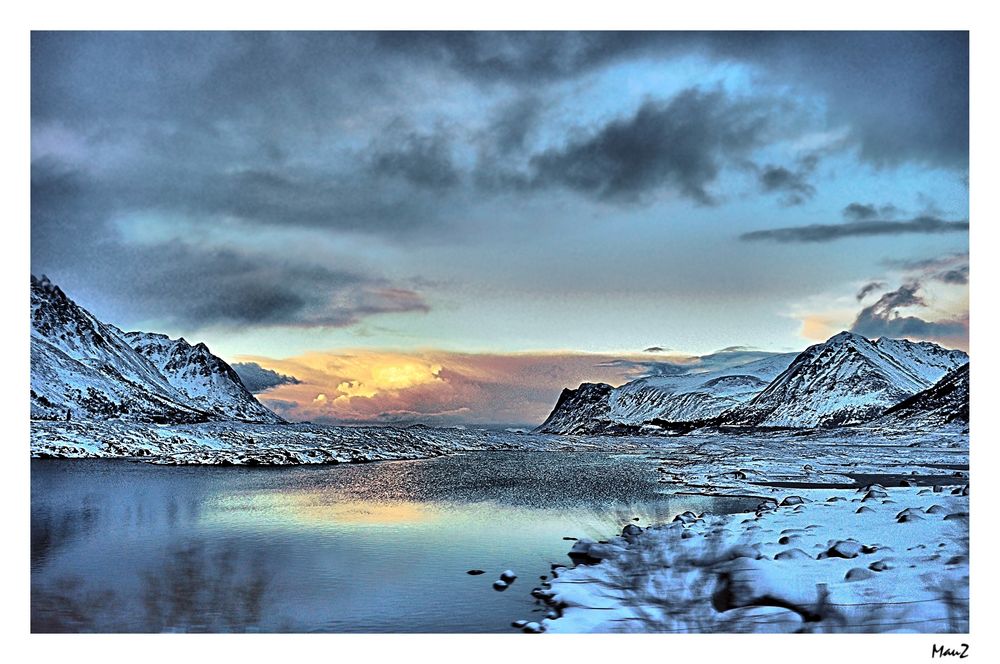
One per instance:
[(84, 368)]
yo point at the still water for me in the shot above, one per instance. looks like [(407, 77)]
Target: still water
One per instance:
[(118, 546)]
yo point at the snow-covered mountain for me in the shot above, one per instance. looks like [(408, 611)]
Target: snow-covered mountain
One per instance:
[(82, 368), (945, 402), (846, 380), (206, 381), (697, 393)]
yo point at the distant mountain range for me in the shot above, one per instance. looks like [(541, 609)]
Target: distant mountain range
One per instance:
[(82, 368), (846, 380), (85, 369)]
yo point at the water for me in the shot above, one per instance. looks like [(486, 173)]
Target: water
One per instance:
[(120, 546)]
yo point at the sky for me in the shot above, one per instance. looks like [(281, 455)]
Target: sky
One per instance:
[(451, 227)]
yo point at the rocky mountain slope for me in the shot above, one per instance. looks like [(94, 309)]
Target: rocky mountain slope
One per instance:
[(846, 380), (83, 368), (945, 402), (206, 381)]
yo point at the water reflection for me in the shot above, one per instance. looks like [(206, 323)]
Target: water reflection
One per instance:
[(119, 546), (192, 589)]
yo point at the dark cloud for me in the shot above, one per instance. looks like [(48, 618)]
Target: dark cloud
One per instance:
[(883, 319), (258, 379), (869, 211), (958, 275), (424, 160), (949, 269), (188, 287), (831, 232), (869, 288), (655, 349), (679, 145), (903, 95), (793, 184)]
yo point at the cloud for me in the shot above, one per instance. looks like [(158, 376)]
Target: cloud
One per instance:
[(903, 95), (424, 160), (432, 386), (679, 145), (831, 232), (190, 288), (949, 269), (884, 318), (868, 288), (258, 379), (957, 276), (794, 185), (868, 211), (655, 349)]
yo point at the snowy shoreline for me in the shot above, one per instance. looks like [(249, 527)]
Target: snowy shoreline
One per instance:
[(873, 559), (243, 443)]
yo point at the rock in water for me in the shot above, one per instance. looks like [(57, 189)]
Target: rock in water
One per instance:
[(500, 586), (508, 576), (475, 572)]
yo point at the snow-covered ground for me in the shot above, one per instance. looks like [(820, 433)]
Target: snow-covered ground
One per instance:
[(241, 443), (891, 555)]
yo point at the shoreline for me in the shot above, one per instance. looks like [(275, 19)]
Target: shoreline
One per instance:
[(872, 559)]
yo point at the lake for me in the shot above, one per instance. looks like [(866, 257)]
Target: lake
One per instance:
[(118, 546)]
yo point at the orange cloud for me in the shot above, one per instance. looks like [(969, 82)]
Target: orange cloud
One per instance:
[(354, 386)]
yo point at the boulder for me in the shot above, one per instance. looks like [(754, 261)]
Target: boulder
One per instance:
[(842, 549), (858, 574), (792, 554)]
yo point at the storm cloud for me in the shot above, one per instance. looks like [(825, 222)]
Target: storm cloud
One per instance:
[(679, 145)]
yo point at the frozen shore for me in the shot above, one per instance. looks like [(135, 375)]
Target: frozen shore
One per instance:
[(873, 559)]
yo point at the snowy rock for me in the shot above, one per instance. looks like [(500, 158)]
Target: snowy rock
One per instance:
[(843, 549), (508, 576), (792, 554), (500, 585), (631, 531), (792, 500), (858, 574)]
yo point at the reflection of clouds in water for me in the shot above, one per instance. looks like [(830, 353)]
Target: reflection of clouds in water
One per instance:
[(290, 510)]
